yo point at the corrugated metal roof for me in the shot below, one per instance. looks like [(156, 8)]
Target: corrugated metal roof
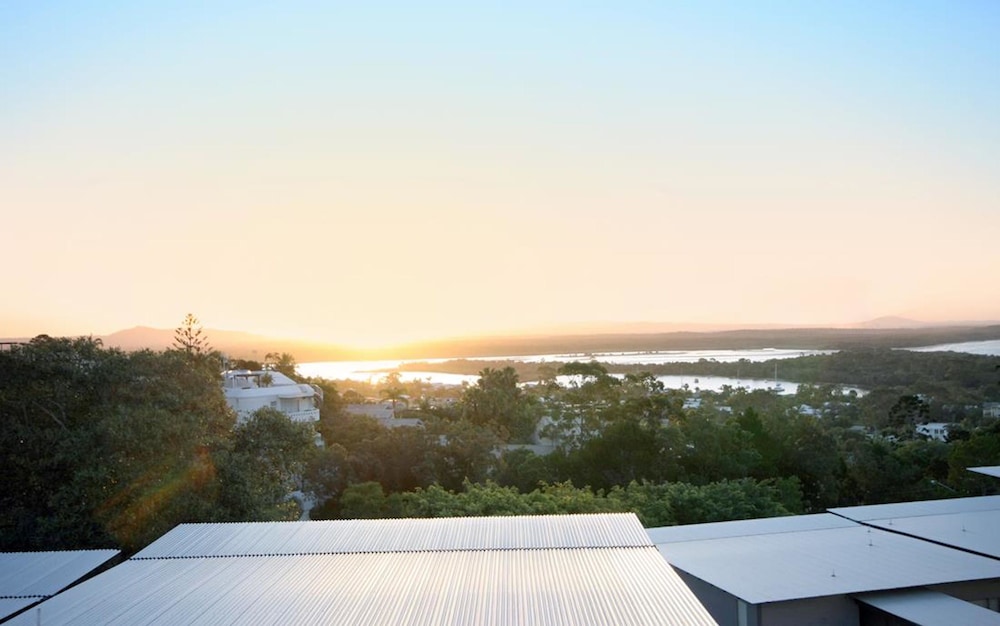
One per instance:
[(930, 608), (806, 564), (29, 577), (399, 535), (989, 470), (9, 606), (742, 528), (594, 586), (24, 574), (913, 509)]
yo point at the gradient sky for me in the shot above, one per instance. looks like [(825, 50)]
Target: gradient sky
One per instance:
[(373, 172)]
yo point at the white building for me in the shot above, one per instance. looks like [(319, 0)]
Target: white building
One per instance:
[(247, 391), (384, 412), (934, 430), (854, 566)]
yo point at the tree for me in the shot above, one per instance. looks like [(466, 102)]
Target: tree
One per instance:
[(269, 453), (392, 389), (464, 452), (907, 412), (498, 401), (626, 451), (981, 448), (284, 363), (103, 448), (363, 500), (190, 338)]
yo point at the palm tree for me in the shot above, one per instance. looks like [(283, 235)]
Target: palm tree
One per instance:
[(392, 389)]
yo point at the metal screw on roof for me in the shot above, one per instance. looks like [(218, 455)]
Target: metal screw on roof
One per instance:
[(833, 574)]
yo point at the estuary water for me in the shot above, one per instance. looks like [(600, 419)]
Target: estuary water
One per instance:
[(987, 348), (374, 371)]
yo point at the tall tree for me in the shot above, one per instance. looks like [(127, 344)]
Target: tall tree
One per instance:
[(392, 390), (190, 338), (498, 401)]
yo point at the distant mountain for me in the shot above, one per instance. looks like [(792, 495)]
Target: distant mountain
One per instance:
[(645, 328), (236, 344), (889, 332), (160, 338), (804, 338), (891, 321)]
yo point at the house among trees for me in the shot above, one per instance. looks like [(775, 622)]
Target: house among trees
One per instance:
[(937, 431), (247, 391)]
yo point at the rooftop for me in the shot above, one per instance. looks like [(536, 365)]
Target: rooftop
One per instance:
[(915, 509), (585, 569), (989, 470), (29, 577), (744, 528), (399, 535), (930, 608), (779, 563), (965, 523)]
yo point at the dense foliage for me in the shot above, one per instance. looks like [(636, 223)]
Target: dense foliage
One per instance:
[(107, 448), (824, 446), (103, 448)]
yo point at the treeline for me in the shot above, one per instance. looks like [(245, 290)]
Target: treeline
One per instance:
[(959, 375), (664, 504), (824, 446), (103, 448), (746, 339), (949, 376)]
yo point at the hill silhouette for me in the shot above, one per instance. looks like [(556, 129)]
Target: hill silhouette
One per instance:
[(883, 332)]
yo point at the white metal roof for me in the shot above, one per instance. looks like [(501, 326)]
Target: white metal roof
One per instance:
[(582, 569), (930, 608), (805, 564), (29, 577), (400, 535), (581, 586), (741, 528), (989, 470), (9, 606), (976, 531), (46, 573), (912, 509)]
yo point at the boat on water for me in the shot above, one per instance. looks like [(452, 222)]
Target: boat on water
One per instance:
[(777, 388)]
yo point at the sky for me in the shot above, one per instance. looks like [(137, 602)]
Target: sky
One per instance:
[(378, 172)]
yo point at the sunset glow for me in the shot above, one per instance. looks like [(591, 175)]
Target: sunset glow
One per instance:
[(394, 172)]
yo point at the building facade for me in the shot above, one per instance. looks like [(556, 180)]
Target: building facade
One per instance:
[(247, 391)]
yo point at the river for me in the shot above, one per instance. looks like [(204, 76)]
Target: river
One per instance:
[(374, 371)]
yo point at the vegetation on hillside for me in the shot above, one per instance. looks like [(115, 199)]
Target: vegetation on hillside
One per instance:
[(107, 448), (103, 448)]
